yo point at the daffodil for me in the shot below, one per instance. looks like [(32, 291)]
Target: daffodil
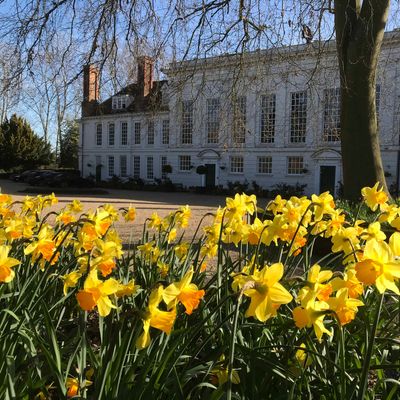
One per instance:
[(345, 307), (70, 280), (349, 281), (127, 289), (95, 294), (379, 266), (316, 286), (373, 232), (266, 293), (182, 216), (6, 263), (130, 214), (302, 356), (324, 204), (75, 206), (185, 292), (155, 221), (44, 246), (312, 316), (220, 373), (374, 197), (156, 318)]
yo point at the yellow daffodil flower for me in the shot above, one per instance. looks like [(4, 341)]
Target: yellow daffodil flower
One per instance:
[(70, 280), (156, 318), (312, 316), (379, 266), (130, 214), (267, 294), (185, 292), (95, 294), (344, 306), (6, 263), (374, 197)]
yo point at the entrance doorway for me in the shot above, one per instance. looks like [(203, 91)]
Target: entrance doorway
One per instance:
[(98, 173), (210, 175), (327, 178)]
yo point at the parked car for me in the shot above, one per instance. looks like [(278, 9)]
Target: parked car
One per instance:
[(42, 178), (67, 179), (24, 175)]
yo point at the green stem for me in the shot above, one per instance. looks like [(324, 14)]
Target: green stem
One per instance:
[(232, 348), (367, 362), (342, 361)]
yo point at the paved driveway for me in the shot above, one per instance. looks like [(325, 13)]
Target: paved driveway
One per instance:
[(144, 202)]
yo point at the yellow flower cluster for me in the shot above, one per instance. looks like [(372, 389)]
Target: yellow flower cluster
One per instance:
[(369, 257), (291, 224), (96, 250)]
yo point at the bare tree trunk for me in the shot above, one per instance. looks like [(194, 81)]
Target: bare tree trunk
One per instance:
[(359, 32)]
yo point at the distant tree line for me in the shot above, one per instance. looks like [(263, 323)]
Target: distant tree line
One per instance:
[(21, 148)]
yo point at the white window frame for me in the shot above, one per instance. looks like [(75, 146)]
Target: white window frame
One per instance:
[(165, 131), (150, 167), (99, 134), (267, 118), (150, 132), (137, 131), (111, 166), (264, 165), (136, 167), (213, 119), (236, 164), (298, 117), (295, 165), (239, 119), (124, 133), (187, 122), (185, 163), (163, 162), (111, 134), (123, 165), (331, 129)]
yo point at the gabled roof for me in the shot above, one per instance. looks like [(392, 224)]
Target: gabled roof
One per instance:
[(140, 104)]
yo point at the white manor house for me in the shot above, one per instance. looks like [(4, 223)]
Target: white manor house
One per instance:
[(268, 117)]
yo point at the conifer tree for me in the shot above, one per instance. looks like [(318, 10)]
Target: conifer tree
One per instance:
[(20, 147)]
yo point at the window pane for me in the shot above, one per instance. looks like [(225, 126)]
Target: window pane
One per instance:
[(150, 132), (265, 165), (136, 167), (124, 133), (99, 134), (298, 117), (111, 166), (331, 115), (165, 131), (111, 134), (268, 104), (185, 163), (150, 170), (236, 163), (123, 165), (239, 120), (187, 122), (162, 164), (213, 111), (137, 132), (295, 165)]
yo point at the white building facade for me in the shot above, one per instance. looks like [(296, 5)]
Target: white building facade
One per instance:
[(268, 117)]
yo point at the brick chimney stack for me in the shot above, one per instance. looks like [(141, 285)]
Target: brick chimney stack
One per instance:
[(90, 83), (90, 89), (145, 74)]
